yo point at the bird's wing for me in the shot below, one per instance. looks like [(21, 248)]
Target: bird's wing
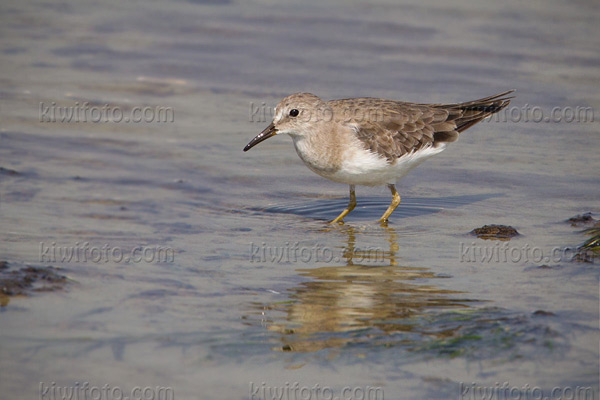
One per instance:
[(393, 129)]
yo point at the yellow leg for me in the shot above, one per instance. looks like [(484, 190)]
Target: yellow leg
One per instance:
[(393, 205), (350, 207)]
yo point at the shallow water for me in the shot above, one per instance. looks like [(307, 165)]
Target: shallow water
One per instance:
[(261, 289)]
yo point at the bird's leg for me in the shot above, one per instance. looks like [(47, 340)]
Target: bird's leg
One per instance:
[(350, 207), (393, 205)]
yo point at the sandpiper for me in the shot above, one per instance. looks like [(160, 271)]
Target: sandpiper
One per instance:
[(372, 141)]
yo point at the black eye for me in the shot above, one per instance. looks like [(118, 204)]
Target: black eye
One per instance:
[(294, 112)]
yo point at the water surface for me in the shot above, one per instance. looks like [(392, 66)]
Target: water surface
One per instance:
[(405, 307)]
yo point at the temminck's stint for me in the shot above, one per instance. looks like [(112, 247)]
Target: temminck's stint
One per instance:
[(372, 141)]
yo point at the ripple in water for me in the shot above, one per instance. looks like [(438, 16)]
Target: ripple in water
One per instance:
[(369, 208)]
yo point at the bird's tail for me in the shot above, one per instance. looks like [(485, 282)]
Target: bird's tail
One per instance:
[(469, 113)]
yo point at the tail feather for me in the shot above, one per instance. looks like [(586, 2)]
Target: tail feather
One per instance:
[(462, 116), (469, 113)]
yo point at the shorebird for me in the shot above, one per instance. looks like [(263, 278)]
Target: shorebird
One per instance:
[(372, 141)]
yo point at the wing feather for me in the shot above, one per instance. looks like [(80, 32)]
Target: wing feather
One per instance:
[(393, 129)]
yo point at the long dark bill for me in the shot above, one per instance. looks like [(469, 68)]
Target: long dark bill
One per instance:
[(264, 135)]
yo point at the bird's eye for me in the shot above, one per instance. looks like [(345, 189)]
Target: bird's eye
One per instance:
[(294, 112)]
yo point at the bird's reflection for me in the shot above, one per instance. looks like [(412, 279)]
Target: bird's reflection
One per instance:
[(365, 299)]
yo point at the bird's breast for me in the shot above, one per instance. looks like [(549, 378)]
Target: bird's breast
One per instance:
[(321, 156)]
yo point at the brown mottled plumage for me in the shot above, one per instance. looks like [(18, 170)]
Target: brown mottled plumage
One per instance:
[(395, 128)]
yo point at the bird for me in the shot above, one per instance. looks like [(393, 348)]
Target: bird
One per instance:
[(372, 141)]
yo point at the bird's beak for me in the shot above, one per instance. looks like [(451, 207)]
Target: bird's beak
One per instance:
[(264, 135)]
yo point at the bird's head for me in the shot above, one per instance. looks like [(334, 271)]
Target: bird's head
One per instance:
[(297, 115)]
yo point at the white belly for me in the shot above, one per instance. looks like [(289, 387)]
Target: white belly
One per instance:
[(361, 167)]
